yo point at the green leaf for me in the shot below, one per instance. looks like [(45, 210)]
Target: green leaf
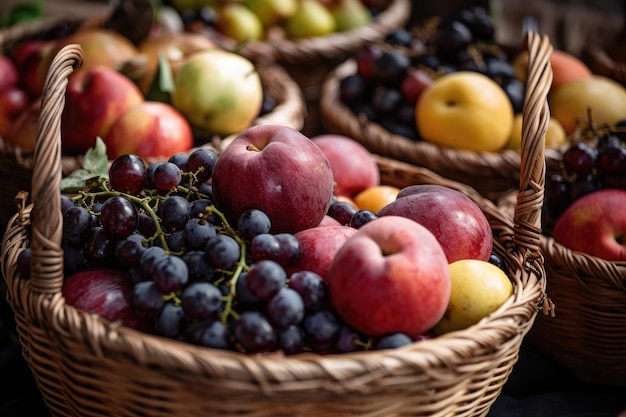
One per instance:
[(163, 82), (94, 171), (96, 160)]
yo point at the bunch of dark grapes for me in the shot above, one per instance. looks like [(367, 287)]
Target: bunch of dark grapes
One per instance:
[(391, 74), (196, 277), (597, 160)]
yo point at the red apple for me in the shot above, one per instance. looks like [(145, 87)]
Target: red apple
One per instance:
[(9, 76), (23, 133), (34, 67), (595, 224), (13, 102), (94, 100), (328, 221), (391, 276), (354, 167), (278, 170), (105, 292), (456, 221), (149, 129), (319, 246), (413, 83)]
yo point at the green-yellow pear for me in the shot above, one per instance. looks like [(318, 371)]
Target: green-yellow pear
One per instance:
[(311, 19), (238, 22), (349, 14), (272, 12), (218, 91)]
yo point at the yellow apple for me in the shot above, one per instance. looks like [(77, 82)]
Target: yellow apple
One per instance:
[(219, 91), (478, 289), (555, 135), (604, 97), (238, 22), (311, 19), (465, 110)]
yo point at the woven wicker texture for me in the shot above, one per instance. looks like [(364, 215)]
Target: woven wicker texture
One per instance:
[(16, 166), (309, 60), (491, 173), (86, 366), (588, 333)]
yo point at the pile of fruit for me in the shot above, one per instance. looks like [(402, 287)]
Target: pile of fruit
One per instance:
[(446, 82), (261, 20), (155, 97), (262, 249)]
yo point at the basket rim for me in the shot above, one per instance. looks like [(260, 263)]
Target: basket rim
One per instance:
[(333, 45)]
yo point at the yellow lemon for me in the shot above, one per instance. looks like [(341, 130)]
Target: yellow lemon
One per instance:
[(478, 289)]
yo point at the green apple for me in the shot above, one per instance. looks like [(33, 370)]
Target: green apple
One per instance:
[(349, 14), (272, 12), (311, 19), (238, 22), (219, 91)]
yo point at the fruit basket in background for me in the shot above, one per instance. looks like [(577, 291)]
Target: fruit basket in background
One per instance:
[(16, 164), (309, 60), (587, 334), (397, 135), (85, 365)]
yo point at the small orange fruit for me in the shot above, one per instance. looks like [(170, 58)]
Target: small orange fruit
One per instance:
[(565, 68), (376, 197)]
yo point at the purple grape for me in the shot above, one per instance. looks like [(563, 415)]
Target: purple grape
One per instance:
[(128, 250), (580, 159), (119, 217), (222, 252), (322, 329), (170, 321), (170, 274), (212, 334), (166, 175), (311, 287), (201, 162), (361, 218), (253, 222), (286, 308), (99, 245), (197, 233), (265, 278), (175, 211), (128, 174), (393, 341), (198, 265), (254, 332), (147, 299), (201, 301), (77, 224), (291, 340)]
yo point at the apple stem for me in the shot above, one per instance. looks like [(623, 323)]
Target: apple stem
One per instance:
[(251, 147)]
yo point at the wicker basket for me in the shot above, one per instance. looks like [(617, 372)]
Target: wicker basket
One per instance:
[(87, 366), (16, 166), (491, 173), (309, 60)]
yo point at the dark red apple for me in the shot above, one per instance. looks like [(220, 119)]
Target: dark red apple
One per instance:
[(9, 76), (105, 292), (354, 167), (457, 221), (319, 246), (276, 169), (413, 83), (13, 102)]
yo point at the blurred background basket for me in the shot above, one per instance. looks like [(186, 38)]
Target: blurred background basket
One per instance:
[(87, 366), (16, 165), (309, 60), (588, 333)]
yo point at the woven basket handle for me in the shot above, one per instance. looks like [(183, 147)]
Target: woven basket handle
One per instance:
[(535, 119), (46, 218)]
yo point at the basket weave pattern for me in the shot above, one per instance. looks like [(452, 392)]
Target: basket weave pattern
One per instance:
[(588, 333), (86, 366)]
